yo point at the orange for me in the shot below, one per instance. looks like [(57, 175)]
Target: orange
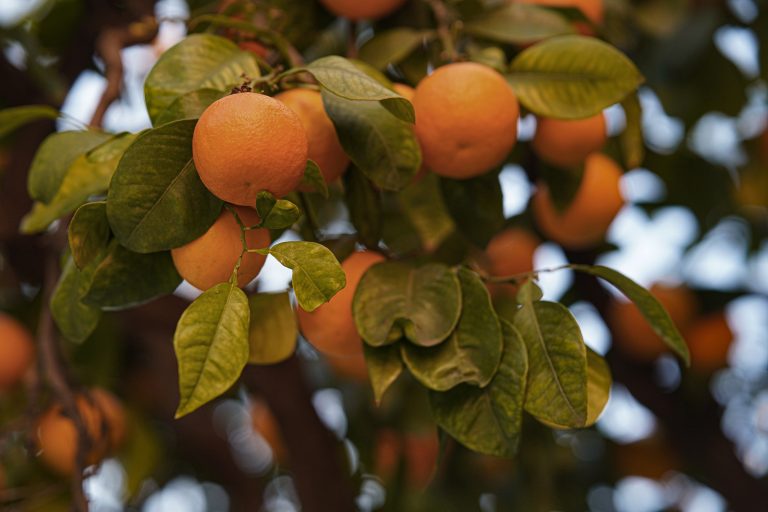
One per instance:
[(709, 339), (362, 9), (245, 143), (650, 458), (419, 449), (350, 367), (17, 351), (466, 119), (210, 259), (586, 220), (255, 48), (331, 328), (324, 146), (592, 9), (632, 331), (567, 143), (264, 423), (57, 436), (510, 252)]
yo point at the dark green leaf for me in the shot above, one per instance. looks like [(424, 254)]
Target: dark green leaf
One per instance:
[(651, 309), (313, 179), (476, 206), (422, 203), (273, 332), (54, 157), (13, 118), (488, 420), (572, 77), (471, 354), (632, 145), (211, 344), (395, 299), (87, 176), (563, 183), (156, 200), (382, 146), (276, 213), (189, 106), (88, 233), (125, 278), (200, 61), (75, 320), (392, 46), (342, 78), (364, 204), (519, 24), (384, 367)]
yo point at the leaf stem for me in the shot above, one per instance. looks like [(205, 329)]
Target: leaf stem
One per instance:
[(445, 21)]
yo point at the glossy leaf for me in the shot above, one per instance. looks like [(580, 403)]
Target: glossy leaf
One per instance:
[(273, 333), (392, 46), (383, 147), (384, 367), (89, 175), (199, 61), (211, 344), (88, 233), (648, 305), (476, 206), (189, 106), (519, 24), (276, 213), (471, 354), (55, 156), (125, 278), (156, 200), (394, 299), (342, 78), (557, 363), (75, 320), (317, 274), (313, 179), (488, 420), (572, 77), (15, 117)]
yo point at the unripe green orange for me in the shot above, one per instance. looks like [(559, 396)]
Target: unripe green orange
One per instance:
[(362, 9), (586, 220), (211, 258), (245, 143), (17, 351), (466, 119), (331, 328), (324, 146), (567, 143)]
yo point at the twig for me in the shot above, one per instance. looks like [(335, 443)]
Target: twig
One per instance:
[(444, 22)]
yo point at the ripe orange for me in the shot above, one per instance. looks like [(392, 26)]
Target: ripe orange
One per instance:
[(567, 143), (57, 435), (331, 328), (419, 449), (650, 458), (245, 143), (324, 146), (586, 220), (466, 119), (510, 252), (709, 339), (210, 259), (255, 48), (264, 423), (362, 9), (634, 334), (592, 9), (350, 367), (17, 351)]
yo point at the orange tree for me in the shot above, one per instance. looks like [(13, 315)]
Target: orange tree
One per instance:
[(245, 145)]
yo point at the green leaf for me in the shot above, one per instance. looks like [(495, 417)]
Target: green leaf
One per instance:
[(488, 420), (392, 46), (211, 344), (364, 204), (342, 78), (276, 213), (200, 61), (476, 206), (632, 144), (650, 308), (14, 117), (75, 320), (557, 363), (125, 278), (563, 183), (384, 367), (55, 156), (88, 233), (317, 274), (156, 200), (382, 146), (572, 77), (89, 175), (189, 106), (273, 332), (422, 203), (519, 24), (395, 299), (471, 354), (313, 179)]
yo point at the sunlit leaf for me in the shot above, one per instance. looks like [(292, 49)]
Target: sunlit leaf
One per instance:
[(273, 332), (14, 117), (276, 213)]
